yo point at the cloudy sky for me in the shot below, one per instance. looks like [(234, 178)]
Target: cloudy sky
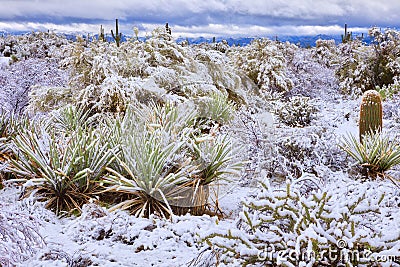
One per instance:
[(193, 18)]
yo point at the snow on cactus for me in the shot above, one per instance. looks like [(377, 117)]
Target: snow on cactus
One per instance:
[(282, 226)]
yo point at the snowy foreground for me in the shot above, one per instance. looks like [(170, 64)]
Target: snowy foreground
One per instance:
[(100, 238)]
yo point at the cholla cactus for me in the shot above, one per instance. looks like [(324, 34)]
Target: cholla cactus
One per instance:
[(283, 227), (370, 113)]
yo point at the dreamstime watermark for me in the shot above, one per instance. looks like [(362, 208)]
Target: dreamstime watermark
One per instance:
[(339, 254)]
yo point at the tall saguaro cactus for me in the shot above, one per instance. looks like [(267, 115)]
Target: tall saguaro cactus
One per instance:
[(117, 36), (347, 36), (370, 113), (101, 35)]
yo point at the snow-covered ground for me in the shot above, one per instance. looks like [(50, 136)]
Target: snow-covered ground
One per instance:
[(117, 239), (4, 61)]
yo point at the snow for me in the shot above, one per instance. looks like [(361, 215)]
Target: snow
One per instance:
[(4, 61), (306, 158)]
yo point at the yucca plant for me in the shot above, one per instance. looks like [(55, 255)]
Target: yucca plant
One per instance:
[(376, 152), (70, 118), (148, 175), (165, 166), (217, 108), (212, 160), (169, 118), (10, 124), (63, 170)]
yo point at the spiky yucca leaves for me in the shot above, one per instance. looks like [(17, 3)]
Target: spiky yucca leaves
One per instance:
[(165, 165), (217, 107), (10, 124), (376, 152), (213, 160), (71, 118), (149, 182), (149, 167), (62, 170), (370, 113)]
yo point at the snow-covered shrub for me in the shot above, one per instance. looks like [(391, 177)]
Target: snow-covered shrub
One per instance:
[(390, 91), (265, 63), (19, 237), (48, 98), (368, 67), (326, 52), (291, 153), (33, 45), (311, 77), (339, 224), (108, 78), (17, 81), (298, 111)]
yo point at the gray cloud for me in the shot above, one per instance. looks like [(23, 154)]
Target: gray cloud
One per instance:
[(199, 14)]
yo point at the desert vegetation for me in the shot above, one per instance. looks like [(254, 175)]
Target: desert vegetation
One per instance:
[(163, 134)]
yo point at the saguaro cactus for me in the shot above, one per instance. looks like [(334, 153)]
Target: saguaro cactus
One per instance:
[(117, 36), (370, 113), (347, 36), (168, 29), (101, 35)]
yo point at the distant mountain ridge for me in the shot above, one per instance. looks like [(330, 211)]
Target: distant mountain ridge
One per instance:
[(300, 40)]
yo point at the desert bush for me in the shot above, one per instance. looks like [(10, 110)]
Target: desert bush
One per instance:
[(19, 237), (264, 62), (390, 91), (48, 98), (368, 67), (107, 78), (18, 80), (326, 52), (298, 111), (312, 75), (33, 45)]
